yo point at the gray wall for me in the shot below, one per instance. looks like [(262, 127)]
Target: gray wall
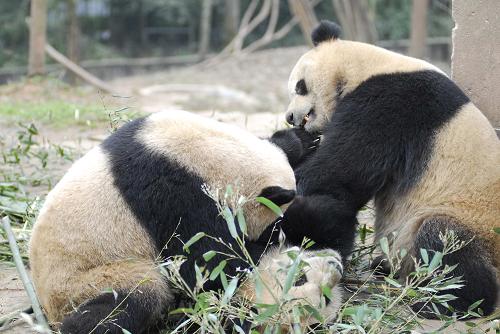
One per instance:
[(476, 53)]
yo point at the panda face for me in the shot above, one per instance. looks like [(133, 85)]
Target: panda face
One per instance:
[(326, 74), (310, 93)]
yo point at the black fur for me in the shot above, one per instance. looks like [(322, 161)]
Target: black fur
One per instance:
[(301, 88), (133, 312), (326, 30), (297, 144), (278, 195), (473, 264), (377, 144), (168, 199)]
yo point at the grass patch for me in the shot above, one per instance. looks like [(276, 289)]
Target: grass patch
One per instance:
[(55, 113), (51, 102)]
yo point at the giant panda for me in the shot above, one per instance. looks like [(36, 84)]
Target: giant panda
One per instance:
[(397, 130), (135, 199)]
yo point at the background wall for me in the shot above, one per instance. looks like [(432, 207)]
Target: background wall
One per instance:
[(476, 53)]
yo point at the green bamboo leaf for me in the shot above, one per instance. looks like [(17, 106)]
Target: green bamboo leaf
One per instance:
[(193, 240), (424, 255), (223, 279), (327, 291), (209, 255), (314, 312), (231, 288), (229, 218), (273, 207), (384, 245), (291, 275), (436, 261), (270, 310), (475, 305), (199, 276), (241, 221), (217, 270), (392, 282)]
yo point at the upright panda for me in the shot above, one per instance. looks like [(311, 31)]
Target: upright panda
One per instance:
[(398, 130), (135, 200)]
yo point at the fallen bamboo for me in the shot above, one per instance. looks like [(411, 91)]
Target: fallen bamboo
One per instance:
[(28, 285), (77, 70)]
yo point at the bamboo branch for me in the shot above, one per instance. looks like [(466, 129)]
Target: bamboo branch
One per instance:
[(28, 285), (77, 70)]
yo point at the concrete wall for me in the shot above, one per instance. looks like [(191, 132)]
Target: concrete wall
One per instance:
[(476, 53)]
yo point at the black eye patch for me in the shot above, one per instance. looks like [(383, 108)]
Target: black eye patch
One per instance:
[(300, 87)]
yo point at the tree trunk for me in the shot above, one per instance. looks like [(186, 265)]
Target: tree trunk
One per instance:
[(38, 24), (303, 10), (73, 41), (231, 19), (418, 28), (357, 19), (205, 28)]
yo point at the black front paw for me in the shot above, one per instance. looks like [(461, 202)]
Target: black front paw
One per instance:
[(278, 195), (294, 223), (297, 144)]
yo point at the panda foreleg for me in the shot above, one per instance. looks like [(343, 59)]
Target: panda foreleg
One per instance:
[(297, 144), (322, 218), (473, 264)]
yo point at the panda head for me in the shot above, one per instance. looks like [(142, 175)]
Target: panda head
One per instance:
[(332, 69), (306, 85)]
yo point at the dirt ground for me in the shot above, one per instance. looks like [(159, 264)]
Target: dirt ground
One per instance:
[(250, 92)]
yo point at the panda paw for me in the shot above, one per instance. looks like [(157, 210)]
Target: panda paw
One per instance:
[(316, 283), (323, 269), (297, 144)]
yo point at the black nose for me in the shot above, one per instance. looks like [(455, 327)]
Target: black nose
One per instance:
[(289, 118)]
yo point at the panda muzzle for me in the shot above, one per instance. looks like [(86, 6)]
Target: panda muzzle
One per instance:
[(292, 119)]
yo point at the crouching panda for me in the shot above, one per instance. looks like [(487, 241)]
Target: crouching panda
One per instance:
[(398, 130), (135, 199)]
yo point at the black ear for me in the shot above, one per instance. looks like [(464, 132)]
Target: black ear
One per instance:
[(278, 195), (324, 31)]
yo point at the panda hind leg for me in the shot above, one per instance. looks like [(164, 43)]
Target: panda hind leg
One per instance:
[(136, 302), (473, 264)]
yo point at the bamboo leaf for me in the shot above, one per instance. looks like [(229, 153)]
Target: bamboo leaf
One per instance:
[(229, 218), (231, 288), (384, 245), (241, 221), (436, 261), (209, 255), (193, 240), (273, 207), (217, 270)]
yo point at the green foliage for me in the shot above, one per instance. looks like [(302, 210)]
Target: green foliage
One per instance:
[(24, 174), (57, 113), (376, 306), (393, 18), (172, 27)]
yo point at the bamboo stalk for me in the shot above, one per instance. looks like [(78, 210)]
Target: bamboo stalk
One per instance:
[(28, 285), (77, 70)]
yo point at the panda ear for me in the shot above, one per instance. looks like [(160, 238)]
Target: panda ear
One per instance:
[(278, 195), (326, 30)]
